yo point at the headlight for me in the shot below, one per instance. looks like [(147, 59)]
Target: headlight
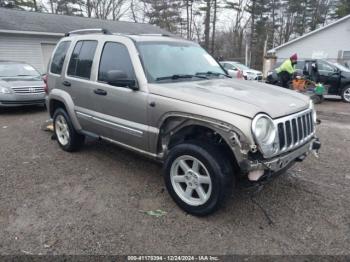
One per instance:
[(4, 90), (265, 134), (314, 113)]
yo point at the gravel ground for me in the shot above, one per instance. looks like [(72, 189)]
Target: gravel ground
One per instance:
[(90, 202)]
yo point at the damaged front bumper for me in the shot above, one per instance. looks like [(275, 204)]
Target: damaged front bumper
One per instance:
[(257, 168)]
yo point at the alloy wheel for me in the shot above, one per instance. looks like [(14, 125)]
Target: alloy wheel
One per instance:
[(191, 180), (347, 94), (62, 130)]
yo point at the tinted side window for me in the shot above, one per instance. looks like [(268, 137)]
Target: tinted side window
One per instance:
[(58, 58), (81, 60), (115, 56)]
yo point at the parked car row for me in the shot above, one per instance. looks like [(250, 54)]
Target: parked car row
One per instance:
[(334, 75)]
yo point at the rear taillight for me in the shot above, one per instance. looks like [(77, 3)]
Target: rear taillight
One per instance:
[(46, 88)]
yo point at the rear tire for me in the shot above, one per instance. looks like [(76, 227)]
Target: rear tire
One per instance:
[(67, 137), (199, 177), (345, 95)]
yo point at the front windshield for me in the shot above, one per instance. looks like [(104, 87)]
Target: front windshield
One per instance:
[(169, 61), (341, 67), (17, 70), (241, 66)]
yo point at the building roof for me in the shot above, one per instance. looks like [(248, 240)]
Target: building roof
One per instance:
[(26, 22), (310, 33)]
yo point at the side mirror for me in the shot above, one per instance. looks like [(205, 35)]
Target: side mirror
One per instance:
[(120, 78)]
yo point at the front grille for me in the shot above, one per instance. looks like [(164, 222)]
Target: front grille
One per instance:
[(259, 77), (28, 90), (295, 130)]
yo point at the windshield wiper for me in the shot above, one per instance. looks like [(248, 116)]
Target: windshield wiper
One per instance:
[(211, 73), (174, 77)]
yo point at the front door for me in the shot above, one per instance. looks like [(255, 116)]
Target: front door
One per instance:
[(329, 76), (121, 112)]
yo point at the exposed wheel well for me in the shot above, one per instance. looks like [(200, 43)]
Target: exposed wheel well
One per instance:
[(54, 105), (202, 133)]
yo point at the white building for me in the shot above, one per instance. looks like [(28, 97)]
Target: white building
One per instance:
[(31, 37), (331, 42)]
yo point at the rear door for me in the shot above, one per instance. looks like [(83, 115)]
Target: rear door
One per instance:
[(121, 113), (78, 83)]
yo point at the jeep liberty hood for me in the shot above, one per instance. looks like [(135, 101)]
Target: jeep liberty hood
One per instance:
[(240, 97)]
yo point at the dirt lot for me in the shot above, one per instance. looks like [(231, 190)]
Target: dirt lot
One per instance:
[(90, 202)]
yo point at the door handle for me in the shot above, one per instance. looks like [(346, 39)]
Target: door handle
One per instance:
[(66, 83), (100, 92)]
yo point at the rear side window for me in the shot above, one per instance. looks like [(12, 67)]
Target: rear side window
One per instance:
[(115, 56), (81, 60), (58, 58)]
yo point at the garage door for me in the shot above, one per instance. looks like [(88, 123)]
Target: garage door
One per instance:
[(46, 50)]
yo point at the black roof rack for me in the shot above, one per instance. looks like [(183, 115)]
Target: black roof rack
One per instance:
[(89, 31), (168, 35)]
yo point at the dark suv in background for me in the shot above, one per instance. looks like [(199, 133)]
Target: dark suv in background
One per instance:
[(335, 76)]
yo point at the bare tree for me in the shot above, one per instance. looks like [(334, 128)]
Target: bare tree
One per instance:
[(103, 9), (207, 24)]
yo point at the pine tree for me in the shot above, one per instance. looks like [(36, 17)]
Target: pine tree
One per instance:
[(342, 8), (165, 14)]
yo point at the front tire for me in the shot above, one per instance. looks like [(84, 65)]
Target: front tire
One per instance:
[(67, 137), (346, 94), (198, 177)]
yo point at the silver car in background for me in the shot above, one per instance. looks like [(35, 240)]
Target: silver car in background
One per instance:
[(20, 84), (237, 70)]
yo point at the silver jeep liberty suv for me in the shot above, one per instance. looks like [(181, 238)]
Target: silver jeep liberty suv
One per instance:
[(168, 99)]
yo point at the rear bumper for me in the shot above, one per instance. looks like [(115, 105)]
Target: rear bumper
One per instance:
[(279, 163)]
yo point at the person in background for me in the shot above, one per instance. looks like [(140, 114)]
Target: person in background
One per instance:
[(286, 70)]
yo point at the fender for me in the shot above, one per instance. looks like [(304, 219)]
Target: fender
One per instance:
[(173, 122), (66, 99)]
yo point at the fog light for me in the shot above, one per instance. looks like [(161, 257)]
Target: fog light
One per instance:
[(255, 175)]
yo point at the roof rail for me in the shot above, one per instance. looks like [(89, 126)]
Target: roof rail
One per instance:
[(154, 35), (89, 31)]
